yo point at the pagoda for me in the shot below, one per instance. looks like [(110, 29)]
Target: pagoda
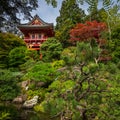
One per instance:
[(36, 32)]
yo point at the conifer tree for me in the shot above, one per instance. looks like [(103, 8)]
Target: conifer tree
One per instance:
[(70, 14)]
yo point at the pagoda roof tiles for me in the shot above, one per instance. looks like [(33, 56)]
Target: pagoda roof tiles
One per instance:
[(36, 22)]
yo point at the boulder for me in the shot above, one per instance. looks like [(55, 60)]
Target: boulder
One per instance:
[(30, 103)]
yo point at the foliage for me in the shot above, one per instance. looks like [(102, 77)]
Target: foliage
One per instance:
[(68, 55), (91, 32), (70, 14), (33, 92), (8, 112), (57, 105), (7, 43), (58, 64), (54, 106), (52, 2), (32, 54), (90, 93), (27, 65), (83, 52), (51, 50), (17, 56), (98, 15), (20, 55), (9, 14), (62, 87), (114, 44), (63, 33), (8, 85), (41, 71), (93, 4), (84, 32), (4, 115)]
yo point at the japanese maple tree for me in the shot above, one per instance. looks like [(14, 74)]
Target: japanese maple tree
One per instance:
[(87, 31)]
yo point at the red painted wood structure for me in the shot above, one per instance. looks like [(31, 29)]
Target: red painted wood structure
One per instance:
[(36, 32)]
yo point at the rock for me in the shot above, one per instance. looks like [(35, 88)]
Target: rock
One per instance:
[(18, 100), (24, 84), (40, 84), (26, 88), (30, 103), (62, 69), (24, 97)]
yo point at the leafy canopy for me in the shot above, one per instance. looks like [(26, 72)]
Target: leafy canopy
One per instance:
[(7, 43), (8, 85), (51, 50), (43, 72), (20, 55), (84, 32)]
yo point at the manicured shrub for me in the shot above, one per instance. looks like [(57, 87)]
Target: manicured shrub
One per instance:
[(51, 50)]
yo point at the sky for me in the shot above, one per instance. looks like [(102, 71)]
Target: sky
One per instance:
[(49, 14), (46, 12)]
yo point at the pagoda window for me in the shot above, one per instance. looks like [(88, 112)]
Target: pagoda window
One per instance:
[(39, 36), (33, 36)]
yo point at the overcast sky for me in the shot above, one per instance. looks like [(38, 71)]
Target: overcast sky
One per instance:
[(49, 14), (46, 12)]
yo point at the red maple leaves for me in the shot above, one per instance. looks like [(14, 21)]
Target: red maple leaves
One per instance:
[(84, 32)]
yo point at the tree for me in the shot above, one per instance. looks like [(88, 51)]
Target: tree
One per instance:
[(51, 50), (8, 85), (70, 14), (20, 55), (68, 55), (10, 10), (84, 32), (17, 56), (41, 72), (114, 45), (98, 15), (7, 43)]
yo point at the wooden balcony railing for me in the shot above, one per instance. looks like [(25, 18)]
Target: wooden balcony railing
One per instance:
[(34, 40)]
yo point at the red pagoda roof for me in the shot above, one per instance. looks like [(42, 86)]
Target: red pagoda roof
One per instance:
[(36, 22)]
